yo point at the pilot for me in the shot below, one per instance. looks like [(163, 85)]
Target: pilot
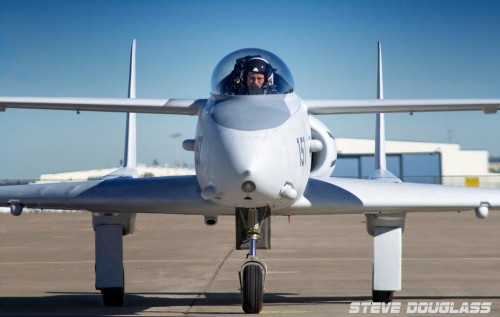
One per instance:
[(259, 77)]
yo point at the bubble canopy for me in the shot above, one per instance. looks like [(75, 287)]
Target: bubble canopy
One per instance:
[(224, 71)]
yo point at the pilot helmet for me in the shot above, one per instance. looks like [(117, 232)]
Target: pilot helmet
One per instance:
[(259, 65)]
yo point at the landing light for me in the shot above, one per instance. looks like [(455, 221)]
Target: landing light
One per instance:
[(248, 187)]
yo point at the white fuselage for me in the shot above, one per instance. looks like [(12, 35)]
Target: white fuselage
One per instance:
[(260, 139)]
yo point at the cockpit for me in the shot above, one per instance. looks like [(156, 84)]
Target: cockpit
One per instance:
[(251, 71)]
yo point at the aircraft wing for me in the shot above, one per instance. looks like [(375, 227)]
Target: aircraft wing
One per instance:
[(343, 195), (193, 106), (318, 106), (172, 194), (166, 106), (181, 195)]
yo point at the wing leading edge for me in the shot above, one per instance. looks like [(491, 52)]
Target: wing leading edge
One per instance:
[(318, 106), (165, 106)]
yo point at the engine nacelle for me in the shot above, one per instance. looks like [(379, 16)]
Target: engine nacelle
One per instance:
[(323, 160)]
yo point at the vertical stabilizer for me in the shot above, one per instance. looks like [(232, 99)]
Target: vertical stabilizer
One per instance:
[(380, 159), (129, 168), (130, 157), (380, 171)]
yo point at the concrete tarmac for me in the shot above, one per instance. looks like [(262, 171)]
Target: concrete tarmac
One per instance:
[(176, 266)]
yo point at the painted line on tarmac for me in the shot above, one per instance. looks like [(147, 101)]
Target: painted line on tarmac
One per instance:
[(264, 312), (127, 261)]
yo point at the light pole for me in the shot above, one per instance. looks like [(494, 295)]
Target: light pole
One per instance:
[(174, 136)]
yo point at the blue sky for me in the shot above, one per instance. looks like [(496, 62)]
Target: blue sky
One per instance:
[(432, 49)]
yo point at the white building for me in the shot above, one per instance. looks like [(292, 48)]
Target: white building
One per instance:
[(143, 171)]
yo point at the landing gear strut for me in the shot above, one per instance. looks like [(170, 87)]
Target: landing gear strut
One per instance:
[(110, 276), (387, 232), (253, 271)]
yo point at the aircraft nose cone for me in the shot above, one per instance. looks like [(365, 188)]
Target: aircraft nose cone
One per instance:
[(252, 170)]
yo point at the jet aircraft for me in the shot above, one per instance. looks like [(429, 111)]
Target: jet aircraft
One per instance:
[(259, 151)]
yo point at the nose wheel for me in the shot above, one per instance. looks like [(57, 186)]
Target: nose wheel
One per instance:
[(253, 271), (252, 279)]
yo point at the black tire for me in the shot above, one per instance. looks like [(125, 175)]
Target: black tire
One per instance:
[(382, 296), (252, 288), (113, 296)]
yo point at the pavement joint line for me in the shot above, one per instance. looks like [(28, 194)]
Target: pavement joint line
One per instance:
[(285, 312), (369, 258), (219, 268)]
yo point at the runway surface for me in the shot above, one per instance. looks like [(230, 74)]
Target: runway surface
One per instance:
[(177, 266)]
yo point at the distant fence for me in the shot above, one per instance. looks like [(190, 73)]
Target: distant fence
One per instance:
[(6, 182), (485, 181)]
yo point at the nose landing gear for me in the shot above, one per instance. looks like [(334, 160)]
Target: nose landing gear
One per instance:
[(253, 271)]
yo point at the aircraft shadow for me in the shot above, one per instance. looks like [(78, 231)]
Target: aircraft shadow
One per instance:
[(85, 304)]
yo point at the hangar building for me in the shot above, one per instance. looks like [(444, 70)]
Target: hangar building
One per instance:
[(419, 162)]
